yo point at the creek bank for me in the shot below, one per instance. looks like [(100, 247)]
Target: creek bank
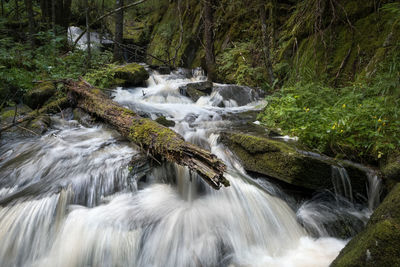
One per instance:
[(378, 243), (36, 126), (284, 162)]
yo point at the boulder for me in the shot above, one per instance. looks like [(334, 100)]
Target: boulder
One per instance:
[(37, 126), (284, 162), (132, 74), (39, 95), (391, 171), (242, 95), (165, 122), (7, 114), (378, 243), (196, 90)]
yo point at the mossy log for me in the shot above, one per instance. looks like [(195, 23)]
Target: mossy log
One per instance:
[(154, 138)]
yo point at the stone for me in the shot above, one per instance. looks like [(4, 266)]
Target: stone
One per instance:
[(242, 95), (196, 90), (132, 74), (39, 95), (378, 243), (164, 121), (284, 162)]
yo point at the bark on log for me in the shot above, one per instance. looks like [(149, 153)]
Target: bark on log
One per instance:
[(154, 138)]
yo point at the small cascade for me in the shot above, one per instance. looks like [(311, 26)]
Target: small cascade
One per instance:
[(341, 182), (69, 197)]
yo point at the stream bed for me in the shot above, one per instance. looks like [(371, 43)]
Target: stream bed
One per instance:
[(69, 197)]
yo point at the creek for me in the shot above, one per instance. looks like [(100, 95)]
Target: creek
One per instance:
[(69, 197)]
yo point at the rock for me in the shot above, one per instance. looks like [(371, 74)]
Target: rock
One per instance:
[(39, 125), (82, 117), (163, 70), (242, 95), (7, 114), (39, 95), (378, 243), (132, 74), (391, 171), (284, 162), (196, 90), (164, 121)]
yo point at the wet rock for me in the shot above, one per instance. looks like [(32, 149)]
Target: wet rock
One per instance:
[(131, 75), (7, 114), (242, 95), (164, 121), (196, 90), (82, 117), (391, 171), (39, 125), (378, 243), (284, 162), (39, 95)]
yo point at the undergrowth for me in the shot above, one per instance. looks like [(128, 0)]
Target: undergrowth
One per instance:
[(361, 120)]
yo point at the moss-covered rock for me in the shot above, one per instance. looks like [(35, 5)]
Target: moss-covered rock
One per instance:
[(391, 171), (40, 94), (196, 90), (7, 114), (284, 162), (133, 74), (378, 243), (164, 121)]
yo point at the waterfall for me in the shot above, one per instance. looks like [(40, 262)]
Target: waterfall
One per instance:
[(69, 198)]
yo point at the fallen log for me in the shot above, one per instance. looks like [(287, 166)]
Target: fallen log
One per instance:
[(157, 140)]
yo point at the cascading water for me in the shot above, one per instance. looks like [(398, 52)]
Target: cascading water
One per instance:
[(68, 198)]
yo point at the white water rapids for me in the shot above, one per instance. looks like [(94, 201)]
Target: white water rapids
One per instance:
[(68, 198)]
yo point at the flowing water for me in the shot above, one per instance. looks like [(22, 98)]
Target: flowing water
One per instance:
[(69, 197)]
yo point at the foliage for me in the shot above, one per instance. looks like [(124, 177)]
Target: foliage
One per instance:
[(362, 118), (237, 65), (20, 65)]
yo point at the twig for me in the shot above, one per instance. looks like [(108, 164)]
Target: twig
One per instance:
[(23, 128)]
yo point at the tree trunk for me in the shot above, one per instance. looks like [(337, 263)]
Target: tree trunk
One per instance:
[(119, 31), (16, 10), (53, 17), (157, 140), (266, 44), (209, 38), (88, 36), (31, 22)]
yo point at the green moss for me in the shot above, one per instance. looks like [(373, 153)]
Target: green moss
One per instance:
[(378, 244), (165, 122), (133, 74), (40, 94), (281, 161), (157, 138)]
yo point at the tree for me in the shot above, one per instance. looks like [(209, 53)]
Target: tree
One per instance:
[(88, 34), (119, 31), (266, 41), (31, 21), (61, 10), (209, 6)]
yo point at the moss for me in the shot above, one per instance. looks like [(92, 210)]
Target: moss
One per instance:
[(133, 74), (165, 122), (40, 94), (156, 137), (378, 243), (283, 162)]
